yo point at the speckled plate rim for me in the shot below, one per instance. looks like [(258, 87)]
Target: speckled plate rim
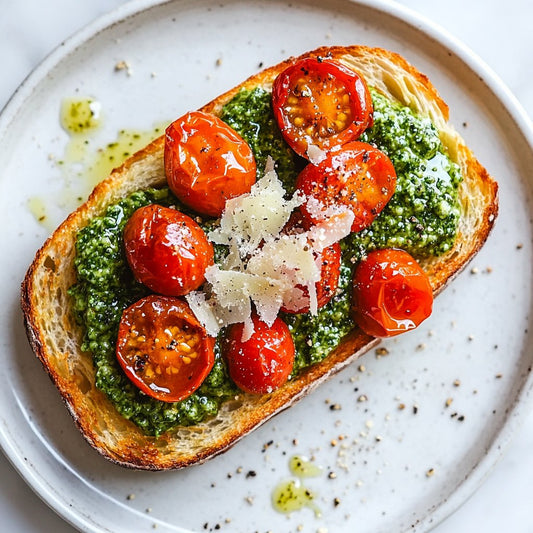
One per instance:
[(524, 400)]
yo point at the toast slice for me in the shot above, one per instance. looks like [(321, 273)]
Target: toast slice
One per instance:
[(56, 338)]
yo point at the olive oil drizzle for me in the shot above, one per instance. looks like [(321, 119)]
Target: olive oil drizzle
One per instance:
[(81, 118), (84, 163)]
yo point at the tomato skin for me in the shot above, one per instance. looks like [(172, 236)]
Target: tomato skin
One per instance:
[(150, 348), (262, 363), (330, 264), (391, 293), (320, 102), (358, 176), (167, 250), (207, 162)]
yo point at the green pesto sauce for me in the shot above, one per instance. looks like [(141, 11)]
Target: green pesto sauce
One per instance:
[(105, 287), (423, 213), (250, 114), (420, 218)]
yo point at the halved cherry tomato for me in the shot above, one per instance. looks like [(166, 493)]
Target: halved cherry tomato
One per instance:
[(207, 162), (163, 349), (262, 363), (167, 250), (391, 293), (357, 176), (322, 103), (330, 264)]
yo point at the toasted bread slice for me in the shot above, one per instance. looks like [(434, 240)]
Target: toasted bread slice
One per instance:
[(56, 338)]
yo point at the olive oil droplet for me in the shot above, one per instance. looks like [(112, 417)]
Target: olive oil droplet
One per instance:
[(37, 206), (289, 496), (302, 467), (80, 115)]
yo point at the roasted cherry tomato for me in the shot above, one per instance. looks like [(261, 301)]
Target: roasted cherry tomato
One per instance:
[(391, 293), (357, 176), (167, 250), (330, 264), (263, 362), (320, 103), (163, 349), (207, 162)]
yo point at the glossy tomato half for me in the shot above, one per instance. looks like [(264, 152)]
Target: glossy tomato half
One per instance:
[(391, 293), (358, 176), (163, 349), (207, 162), (320, 103), (167, 250), (262, 363)]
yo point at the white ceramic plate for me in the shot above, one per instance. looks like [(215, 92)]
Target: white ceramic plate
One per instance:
[(476, 349)]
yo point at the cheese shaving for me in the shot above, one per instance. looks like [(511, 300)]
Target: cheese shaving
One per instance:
[(315, 154), (251, 218), (265, 269)]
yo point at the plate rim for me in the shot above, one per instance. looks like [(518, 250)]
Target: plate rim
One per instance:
[(523, 401)]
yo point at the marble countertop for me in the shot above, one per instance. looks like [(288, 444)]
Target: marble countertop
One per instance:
[(499, 33)]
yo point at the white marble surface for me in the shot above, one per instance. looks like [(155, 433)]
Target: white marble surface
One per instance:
[(500, 33)]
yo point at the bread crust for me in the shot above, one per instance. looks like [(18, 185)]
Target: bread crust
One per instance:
[(56, 338)]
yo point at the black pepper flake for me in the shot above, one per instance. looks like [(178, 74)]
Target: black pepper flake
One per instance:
[(251, 473), (267, 445), (336, 502), (461, 418)]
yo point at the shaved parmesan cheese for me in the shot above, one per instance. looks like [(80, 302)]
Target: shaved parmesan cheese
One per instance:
[(332, 229), (251, 218), (265, 268), (204, 310), (288, 261), (315, 154)]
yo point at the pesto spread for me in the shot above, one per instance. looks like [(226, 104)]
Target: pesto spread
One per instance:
[(105, 287), (421, 218)]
